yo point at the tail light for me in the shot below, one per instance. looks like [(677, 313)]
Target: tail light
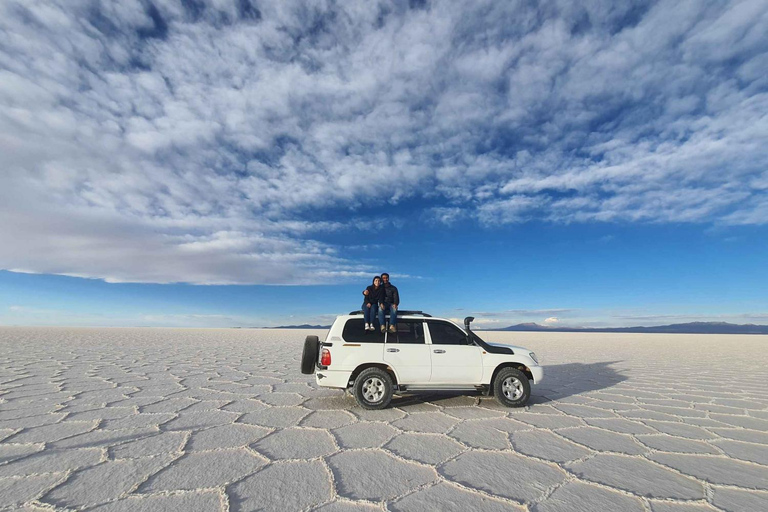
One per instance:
[(325, 358)]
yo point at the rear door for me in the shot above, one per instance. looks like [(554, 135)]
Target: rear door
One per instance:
[(407, 352), (454, 359)]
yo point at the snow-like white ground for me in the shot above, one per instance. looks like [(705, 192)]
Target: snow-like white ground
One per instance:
[(217, 420)]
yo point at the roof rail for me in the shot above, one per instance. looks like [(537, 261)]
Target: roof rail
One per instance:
[(403, 312)]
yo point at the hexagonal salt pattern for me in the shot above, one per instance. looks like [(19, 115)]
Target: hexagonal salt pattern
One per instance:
[(222, 420), (376, 476)]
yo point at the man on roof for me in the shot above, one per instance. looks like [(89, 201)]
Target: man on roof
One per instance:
[(389, 304)]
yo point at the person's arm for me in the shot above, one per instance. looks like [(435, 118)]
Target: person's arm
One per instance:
[(396, 296)]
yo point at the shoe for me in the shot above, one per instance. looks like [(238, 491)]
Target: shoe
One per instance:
[(383, 328), (367, 327), (392, 328)]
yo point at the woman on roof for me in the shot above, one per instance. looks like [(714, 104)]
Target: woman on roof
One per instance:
[(374, 295)]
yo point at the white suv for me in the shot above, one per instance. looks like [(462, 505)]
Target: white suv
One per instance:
[(425, 353)]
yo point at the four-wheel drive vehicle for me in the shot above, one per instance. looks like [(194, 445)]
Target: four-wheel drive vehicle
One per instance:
[(425, 353)]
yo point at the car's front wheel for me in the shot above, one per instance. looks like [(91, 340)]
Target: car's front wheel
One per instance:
[(511, 387), (373, 388)]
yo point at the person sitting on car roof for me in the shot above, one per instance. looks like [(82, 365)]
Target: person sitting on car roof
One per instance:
[(374, 294), (389, 304)]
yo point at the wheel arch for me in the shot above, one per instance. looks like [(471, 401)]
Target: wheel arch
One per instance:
[(519, 366), (382, 366)]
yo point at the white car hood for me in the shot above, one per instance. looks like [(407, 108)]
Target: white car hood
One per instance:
[(516, 349)]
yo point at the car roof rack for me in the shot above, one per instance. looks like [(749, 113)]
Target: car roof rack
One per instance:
[(403, 312)]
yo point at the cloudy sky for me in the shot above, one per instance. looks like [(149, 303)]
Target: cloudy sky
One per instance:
[(239, 162)]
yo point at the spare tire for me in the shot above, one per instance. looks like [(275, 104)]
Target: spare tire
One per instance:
[(309, 355)]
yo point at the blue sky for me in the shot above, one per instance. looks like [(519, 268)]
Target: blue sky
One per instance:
[(238, 163)]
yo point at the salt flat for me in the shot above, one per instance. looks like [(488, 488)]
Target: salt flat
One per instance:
[(222, 419)]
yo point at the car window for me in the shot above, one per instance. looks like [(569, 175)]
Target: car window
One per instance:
[(443, 333), (408, 332), (354, 332)]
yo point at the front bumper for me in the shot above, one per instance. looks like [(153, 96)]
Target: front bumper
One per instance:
[(538, 373), (332, 379)]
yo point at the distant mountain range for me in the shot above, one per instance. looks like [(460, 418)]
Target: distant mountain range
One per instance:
[(687, 328)]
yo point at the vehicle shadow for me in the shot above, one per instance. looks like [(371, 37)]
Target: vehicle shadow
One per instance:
[(564, 380), (560, 381)]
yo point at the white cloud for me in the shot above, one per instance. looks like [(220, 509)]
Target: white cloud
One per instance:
[(551, 320), (218, 144), (508, 313)]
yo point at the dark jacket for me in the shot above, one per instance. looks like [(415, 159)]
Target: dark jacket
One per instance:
[(375, 296), (391, 296)]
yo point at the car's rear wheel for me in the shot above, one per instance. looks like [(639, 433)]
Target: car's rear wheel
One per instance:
[(309, 355), (511, 387), (373, 388)]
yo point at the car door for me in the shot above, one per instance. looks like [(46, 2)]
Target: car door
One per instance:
[(360, 346), (407, 352), (455, 360)]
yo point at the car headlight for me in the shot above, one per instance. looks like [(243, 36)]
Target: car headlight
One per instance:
[(533, 356)]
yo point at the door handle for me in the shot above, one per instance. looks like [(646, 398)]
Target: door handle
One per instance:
[(393, 350), (439, 351)]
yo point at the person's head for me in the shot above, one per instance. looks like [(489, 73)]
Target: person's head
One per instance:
[(384, 278), (376, 281)]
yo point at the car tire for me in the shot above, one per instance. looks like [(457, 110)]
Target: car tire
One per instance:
[(373, 388), (309, 355), (511, 387)]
